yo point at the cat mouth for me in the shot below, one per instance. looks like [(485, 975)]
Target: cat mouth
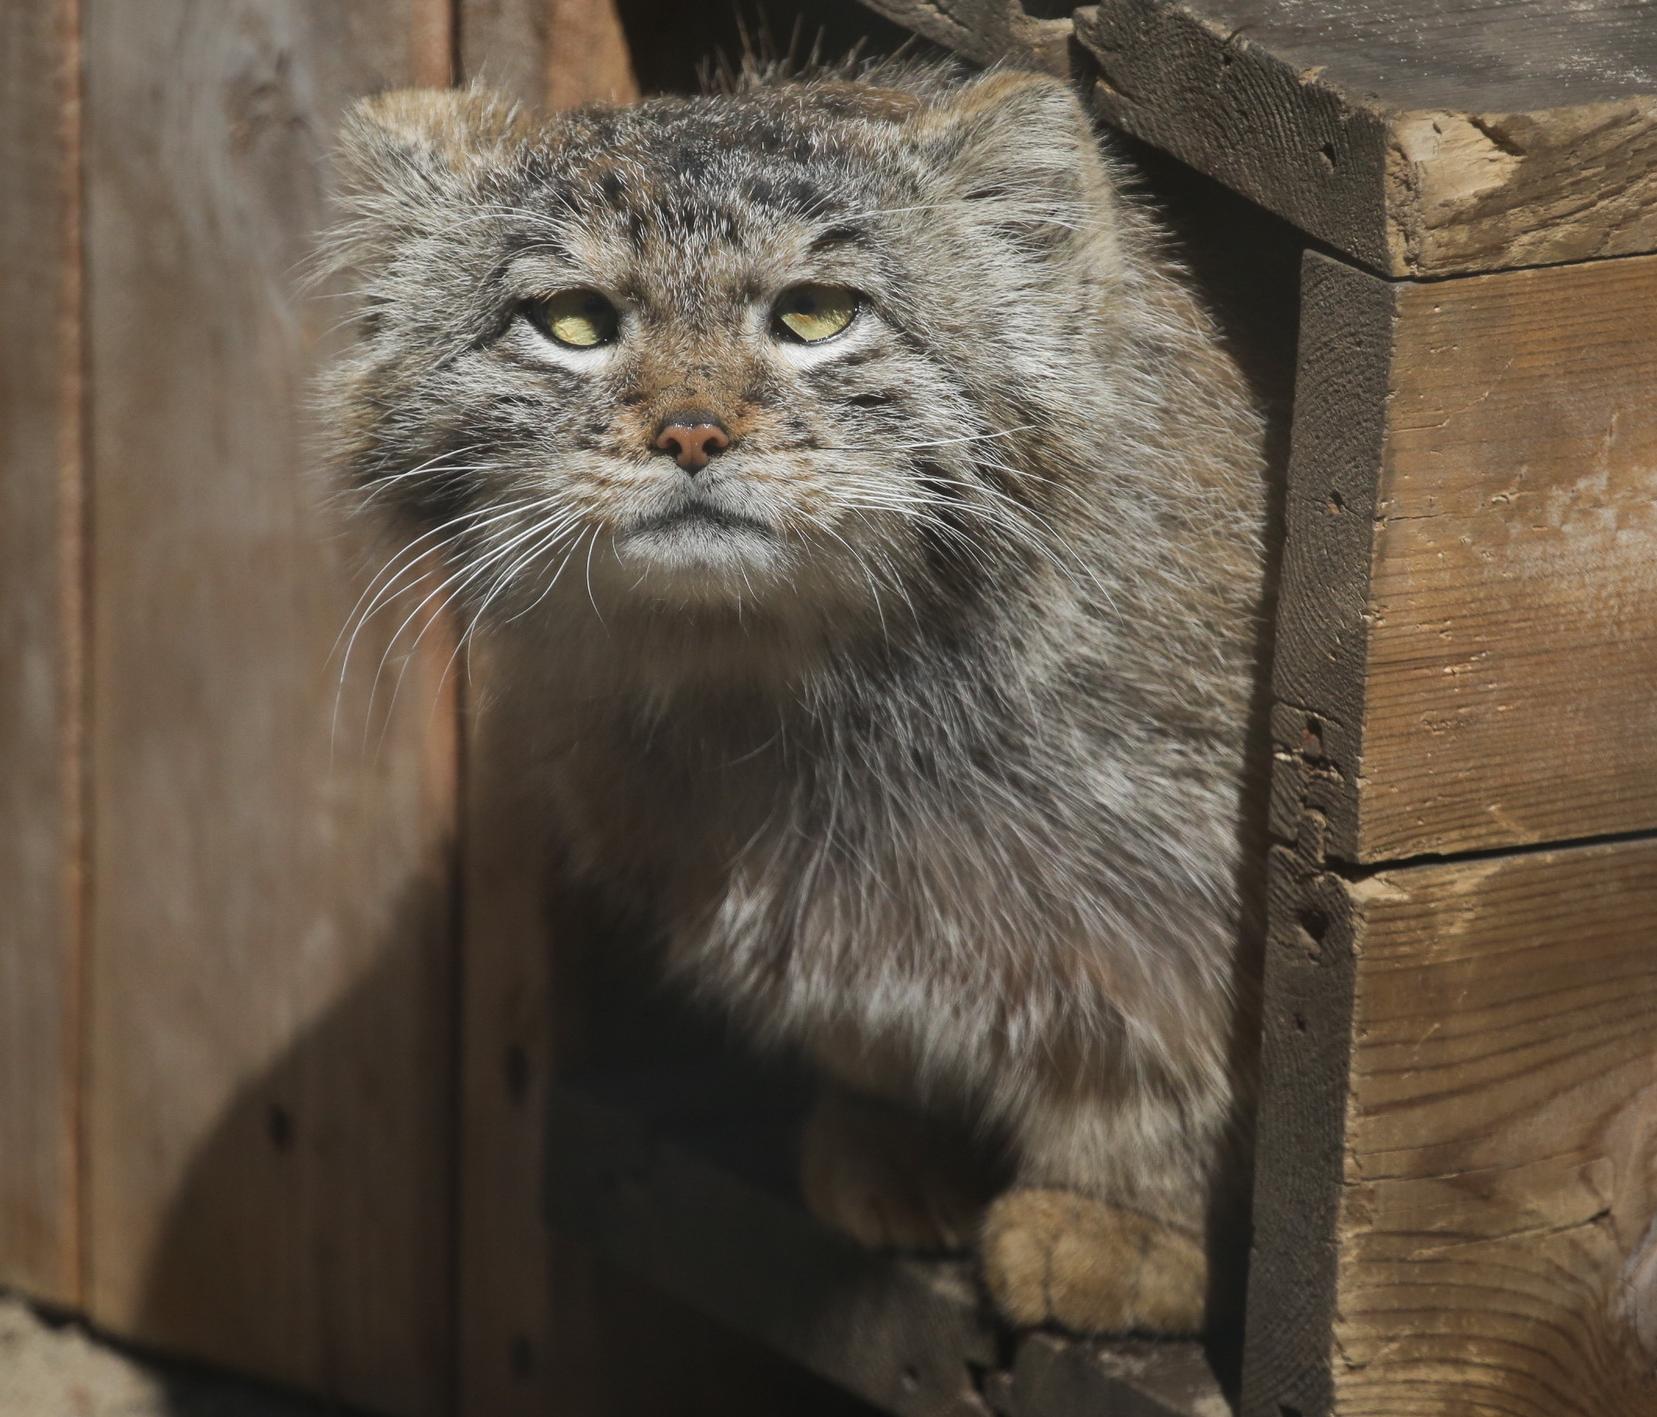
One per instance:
[(699, 517)]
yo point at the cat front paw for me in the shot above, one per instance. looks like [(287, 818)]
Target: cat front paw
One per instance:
[(888, 1178), (1060, 1257)]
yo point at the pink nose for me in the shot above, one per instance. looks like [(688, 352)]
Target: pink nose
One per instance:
[(692, 438)]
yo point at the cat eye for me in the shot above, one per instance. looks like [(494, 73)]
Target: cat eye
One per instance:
[(577, 319), (814, 313)]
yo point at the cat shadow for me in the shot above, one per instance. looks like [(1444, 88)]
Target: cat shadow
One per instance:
[(303, 1249)]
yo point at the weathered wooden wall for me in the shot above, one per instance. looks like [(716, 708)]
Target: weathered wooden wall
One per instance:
[(528, 1340), (276, 1007), (270, 958), (235, 1067), (41, 569), (1466, 654)]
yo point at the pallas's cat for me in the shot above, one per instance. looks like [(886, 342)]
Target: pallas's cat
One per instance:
[(874, 522)]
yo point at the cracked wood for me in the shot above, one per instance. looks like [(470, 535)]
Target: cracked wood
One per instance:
[(1484, 1155)]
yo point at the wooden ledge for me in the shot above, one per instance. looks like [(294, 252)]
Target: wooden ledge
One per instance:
[(711, 1222), (1417, 138), (986, 31)]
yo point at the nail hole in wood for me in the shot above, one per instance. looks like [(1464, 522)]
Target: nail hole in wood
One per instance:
[(279, 1127), (515, 1065), (520, 1358), (1327, 153), (1314, 925), (1311, 741)]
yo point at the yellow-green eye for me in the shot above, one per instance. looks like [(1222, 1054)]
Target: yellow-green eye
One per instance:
[(580, 319), (814, 313)]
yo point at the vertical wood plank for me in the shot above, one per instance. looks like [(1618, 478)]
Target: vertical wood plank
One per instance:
[(1465, 1121), (1456, 1176), (270, 1120), (526, 1300), (1467, 642), (41, 561), (548, 53), (527, 1337)]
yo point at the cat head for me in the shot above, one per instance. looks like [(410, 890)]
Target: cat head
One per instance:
[(803, 357)]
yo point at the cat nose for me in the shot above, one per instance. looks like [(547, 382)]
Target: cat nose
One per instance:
[(692, 437)]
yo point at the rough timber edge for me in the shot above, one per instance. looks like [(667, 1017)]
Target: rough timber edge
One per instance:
[(910, 1337), (1319, 660), (1405, 192), (1344, 365), (985, 31)]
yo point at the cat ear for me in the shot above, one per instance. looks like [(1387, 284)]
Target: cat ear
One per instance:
[(405, 162), (414, 136), (1023, 146)]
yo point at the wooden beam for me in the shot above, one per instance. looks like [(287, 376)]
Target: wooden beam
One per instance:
[(42, 559), (548, 53), (663, 1185), (1468, 636), (988, 31), (1419, 139), (528, 1315), (1457, 1190), (270, 1117)]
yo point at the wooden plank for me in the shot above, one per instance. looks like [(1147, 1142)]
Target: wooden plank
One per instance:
[(1417, 138), (1030, 35), (1052, 1377), (1321, 642), (1300, 1135), (660, 1183), (41, 561), (1468, 652), (270, 1121), (548, 53), (528, 1309), (1493, 1247)]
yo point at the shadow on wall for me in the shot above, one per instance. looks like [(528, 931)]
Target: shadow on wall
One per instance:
[(309, 1239), (303, 1248)]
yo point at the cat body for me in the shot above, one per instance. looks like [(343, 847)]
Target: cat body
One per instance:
[(912, 708)]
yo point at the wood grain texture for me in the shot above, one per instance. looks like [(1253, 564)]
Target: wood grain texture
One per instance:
[(526, 1307), (270, 1114), (548, 53), (1030, 36), (41, 564), (1056, 1377), (1495, 1246), (528, 1304), (1305, 1067), (1468, 648), (1414, 137)]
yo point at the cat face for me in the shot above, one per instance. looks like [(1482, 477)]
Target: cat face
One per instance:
[(783, 355)]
